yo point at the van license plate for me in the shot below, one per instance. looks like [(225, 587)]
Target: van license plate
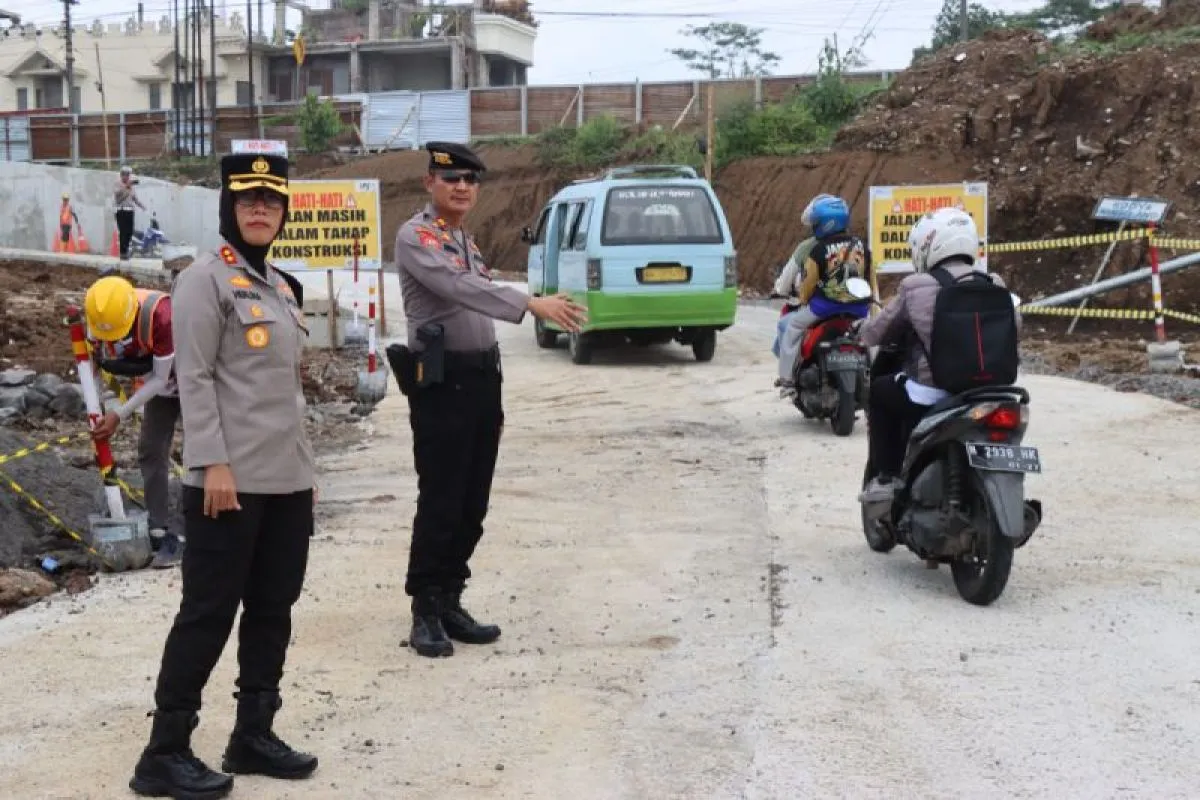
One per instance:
[(1003, 458), (664, 275)]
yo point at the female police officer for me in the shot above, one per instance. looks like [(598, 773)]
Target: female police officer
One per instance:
[(248, 495)]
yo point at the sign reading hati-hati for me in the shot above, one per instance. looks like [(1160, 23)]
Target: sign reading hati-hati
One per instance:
[(325, 221), (893, 211)]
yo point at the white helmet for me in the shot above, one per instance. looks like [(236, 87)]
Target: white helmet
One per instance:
[(942, 234), (806, 214)]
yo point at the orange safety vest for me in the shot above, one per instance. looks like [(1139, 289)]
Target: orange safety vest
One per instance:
[(148, 300), (65, 217)]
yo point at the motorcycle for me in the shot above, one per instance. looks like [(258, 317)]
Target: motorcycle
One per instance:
[(831, 372), (148, 243), (961, 493)]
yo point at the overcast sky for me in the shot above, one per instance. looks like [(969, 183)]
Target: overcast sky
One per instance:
[(622, 46)]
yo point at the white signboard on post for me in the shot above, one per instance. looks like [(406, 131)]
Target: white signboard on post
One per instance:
[(266, 147), (1137, 210)]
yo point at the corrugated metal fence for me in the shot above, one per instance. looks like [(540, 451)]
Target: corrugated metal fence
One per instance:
[(406, 120)]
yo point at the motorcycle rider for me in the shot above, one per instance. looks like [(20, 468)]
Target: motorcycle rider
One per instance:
[(944, 239), (835, 257), (787, 283)]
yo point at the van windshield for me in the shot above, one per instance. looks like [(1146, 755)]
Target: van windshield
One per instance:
[(660, 215)]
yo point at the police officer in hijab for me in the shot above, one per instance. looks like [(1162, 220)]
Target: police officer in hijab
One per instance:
[(248, 494)]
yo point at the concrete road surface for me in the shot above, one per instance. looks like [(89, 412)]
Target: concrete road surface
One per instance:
[(689, 611)]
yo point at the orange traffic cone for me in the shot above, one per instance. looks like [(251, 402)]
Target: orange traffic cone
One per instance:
[(114, 249), (81, 242)]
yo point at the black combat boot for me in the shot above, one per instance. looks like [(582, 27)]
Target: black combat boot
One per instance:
[(254, 749), (168, 768), (460, 625), (427, 636)]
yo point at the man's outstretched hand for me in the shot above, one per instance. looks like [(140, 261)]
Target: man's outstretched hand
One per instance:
[(559, 309)]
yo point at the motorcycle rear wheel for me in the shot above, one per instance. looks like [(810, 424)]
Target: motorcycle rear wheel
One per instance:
[(842, 420), (981, 576)]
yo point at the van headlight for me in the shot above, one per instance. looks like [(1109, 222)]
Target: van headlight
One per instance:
[(593, 274), (731, 281)]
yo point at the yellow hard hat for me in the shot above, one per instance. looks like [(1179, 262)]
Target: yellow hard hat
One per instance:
[(111, 306), (66, 196)]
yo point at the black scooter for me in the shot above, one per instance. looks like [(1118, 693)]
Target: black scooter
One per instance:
[(961, 496)]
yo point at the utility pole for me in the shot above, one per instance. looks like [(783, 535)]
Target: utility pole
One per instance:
[(250, 55), (710, 133), (70, 55), (175, 87), (964, 18), (103, 106), (212, 68)]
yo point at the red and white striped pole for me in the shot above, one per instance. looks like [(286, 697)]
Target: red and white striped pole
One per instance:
[(1160, 326), (356, 294), (371, 325), (91, 397)]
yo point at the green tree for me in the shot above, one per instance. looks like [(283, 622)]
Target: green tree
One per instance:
[(319, 124), (947, 28), (728, 50)]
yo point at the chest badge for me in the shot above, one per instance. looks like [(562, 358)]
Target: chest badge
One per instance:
[(258, 337), (256, 311), (240, 281)]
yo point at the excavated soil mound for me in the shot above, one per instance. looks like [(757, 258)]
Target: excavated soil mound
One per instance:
[(1051, 134), (1134, 19)]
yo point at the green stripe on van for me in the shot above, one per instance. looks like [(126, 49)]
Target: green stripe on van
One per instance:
[(607, 311)]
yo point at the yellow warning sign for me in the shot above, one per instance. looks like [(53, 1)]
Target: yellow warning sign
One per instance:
[(326, 219), (894, 210)]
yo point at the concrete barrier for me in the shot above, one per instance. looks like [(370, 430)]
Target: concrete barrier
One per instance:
[(31, 195)]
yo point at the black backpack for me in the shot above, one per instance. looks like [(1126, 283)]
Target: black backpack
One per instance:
[(974, 340)]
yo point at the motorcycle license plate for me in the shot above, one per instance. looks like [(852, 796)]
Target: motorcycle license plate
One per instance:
[(1003, 458), (840, 358)]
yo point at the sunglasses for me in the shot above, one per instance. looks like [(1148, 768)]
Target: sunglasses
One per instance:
[(252, 197), (471, 178)]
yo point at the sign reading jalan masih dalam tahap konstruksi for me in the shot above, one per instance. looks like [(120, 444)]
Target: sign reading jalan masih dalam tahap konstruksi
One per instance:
[(326, 219), (895, 209)]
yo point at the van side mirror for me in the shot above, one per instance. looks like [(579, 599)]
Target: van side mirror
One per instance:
[(527, 235)]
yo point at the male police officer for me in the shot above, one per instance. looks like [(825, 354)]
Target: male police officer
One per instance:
[(450, 372)]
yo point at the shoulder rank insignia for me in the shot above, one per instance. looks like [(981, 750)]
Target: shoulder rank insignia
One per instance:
[(228, 256), (427, 238)]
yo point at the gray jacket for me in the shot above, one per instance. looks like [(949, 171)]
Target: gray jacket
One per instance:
[(239, 338), (443, 278), (912, 310)]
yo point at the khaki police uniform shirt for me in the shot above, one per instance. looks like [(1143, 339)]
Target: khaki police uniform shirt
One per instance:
[(444, 279), (238, 344)]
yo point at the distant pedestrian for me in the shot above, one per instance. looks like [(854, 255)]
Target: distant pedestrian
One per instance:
[(450, 371), (125, 198), (248, 494)]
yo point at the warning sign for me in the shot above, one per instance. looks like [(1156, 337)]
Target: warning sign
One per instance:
[(325, 221), (895, 209)]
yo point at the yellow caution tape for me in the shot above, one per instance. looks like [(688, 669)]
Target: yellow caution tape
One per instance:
[(1066, 241), (58, 523), (1183, 316), (1087, 240), (41, 448), (1103, 313)]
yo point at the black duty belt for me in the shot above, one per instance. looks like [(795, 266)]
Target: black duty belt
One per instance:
[(482, 360)]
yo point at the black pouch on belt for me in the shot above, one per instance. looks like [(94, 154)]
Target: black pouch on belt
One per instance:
[(401, 360), (431, 361)]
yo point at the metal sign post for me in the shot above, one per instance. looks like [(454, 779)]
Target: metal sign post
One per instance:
[(1124, 210)]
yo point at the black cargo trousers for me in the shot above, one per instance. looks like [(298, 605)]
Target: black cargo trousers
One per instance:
[(255, 558), (456, 427)]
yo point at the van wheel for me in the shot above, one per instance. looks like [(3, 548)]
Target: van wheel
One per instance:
[(704, 346), (546, 338), (580, 348)]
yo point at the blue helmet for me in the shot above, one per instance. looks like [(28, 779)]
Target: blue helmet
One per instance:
[(829, 215)]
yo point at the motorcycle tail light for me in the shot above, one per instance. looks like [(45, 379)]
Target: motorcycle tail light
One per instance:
[(1004, 417)]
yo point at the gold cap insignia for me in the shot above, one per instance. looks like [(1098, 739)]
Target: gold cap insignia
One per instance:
[(442, 158), (260, 165)]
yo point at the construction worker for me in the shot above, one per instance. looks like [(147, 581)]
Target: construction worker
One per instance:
[(131, 329), (248, 494), (67, 220)]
